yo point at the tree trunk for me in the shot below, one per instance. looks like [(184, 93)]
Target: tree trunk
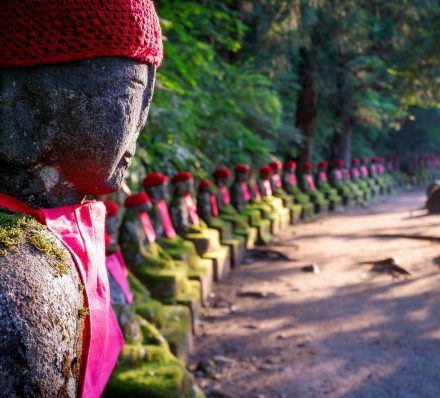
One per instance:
[(306, 102)]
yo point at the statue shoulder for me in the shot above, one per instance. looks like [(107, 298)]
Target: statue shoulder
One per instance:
[(41, 321)]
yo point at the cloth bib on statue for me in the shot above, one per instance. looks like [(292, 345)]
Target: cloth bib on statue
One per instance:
[(168, 227), (310, 182), (214, 207), (194, 217), (292, 178), (225, 195), (80, 228), (364, 171), (277, 180), (267, 188), (323, 176), (347, 174), (339, 175), (148, 227), (116, 266), (246, 193)]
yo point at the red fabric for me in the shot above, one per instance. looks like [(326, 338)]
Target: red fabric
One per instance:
[(308, 166), (154, 179), (112, 207), (81, 230), (339, 175), (246, 193), (292, 179), (166, 219), (148, 228), (49, 31), (277, 165), (267, 188), (116, 266), (194, 217), (222, 172), (256, 190), (137, 199), (323, 164), (242, 168), (364, 171), (339, 163), (323, 176), (214, 207), (347, 174), (277, 180), (225, 195), (291, 164), (310, 182), (205, 184), (265, 171), (356, 173), (182, 176)]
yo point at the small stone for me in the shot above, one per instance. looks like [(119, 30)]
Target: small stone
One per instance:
[(312, 268), (223, 360)]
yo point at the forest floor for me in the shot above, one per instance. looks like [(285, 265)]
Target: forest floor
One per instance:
[(276, 331)]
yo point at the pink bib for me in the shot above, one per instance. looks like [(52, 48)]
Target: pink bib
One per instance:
[(194, 217), (364, 171), (339, 175), (214, 207), (347, 174), (323, 176), (292, 178), (116, 266), (256, 190), (267, 188), (310, 182), (148, 228), (225, 195), (356, 173), (277, 180), (246, 193), (168, 227), (80, 228)]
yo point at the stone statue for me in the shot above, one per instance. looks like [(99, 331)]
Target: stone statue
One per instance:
[(307, 184), (330, 193), (70, 114)]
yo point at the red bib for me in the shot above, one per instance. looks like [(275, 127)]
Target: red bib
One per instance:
[(148, 228), (168, 227), (194, 217), (116, 266), (277, 180), (80, 228), (267, 188), (214, 207), (310, 182), (225, 195), (246, 193), (323, 176)]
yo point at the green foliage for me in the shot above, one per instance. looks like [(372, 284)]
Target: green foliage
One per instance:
[(230, 83)]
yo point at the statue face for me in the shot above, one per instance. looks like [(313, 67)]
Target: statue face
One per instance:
[(158, 193), (111, 224), (76, 121), (241, 177), (221, 182), (184, 187)]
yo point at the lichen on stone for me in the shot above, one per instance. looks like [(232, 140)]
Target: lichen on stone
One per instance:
[(13, 227), (57, 255), (83, 312)]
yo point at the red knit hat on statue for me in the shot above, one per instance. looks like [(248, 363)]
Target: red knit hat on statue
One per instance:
[(265, 171), (222, 172), (37, 32), (355, 161), (182, 176), (277, 165), (339, 163), (137, 199), (323, 164), (111, 207), (205, 184), (154, 179), (291, 164), (307, 166), (242, 168)]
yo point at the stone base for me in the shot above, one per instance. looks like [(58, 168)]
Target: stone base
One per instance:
[(206, 280), (222, 263), (237, 249)]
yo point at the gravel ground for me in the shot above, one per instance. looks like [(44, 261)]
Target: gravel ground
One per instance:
[(274, 330)]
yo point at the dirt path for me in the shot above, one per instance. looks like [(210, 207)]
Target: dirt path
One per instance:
[(346, 332)]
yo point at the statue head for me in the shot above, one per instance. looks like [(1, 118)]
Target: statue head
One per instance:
[(276, 167), (138, 203), (72, 105), (183, 183), (242, 172), (156, 186), (221, 176), (205, 186), (307, 168), (290, 166)]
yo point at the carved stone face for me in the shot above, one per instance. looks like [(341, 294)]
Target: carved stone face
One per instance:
[(111, 225), (221, 182), (184, 187), (241, 177), (158, 193), (75, 122)]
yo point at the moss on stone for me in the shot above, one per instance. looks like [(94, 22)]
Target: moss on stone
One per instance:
[(149, 371), (83, 312)]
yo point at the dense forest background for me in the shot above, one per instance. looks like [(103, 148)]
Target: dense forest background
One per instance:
[(247, 80)]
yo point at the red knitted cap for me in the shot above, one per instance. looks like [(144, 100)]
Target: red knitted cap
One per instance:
[(291, 163), (323, 164), (154, 179), (307, 166), (36, 32), (182, 176), (137, 199), (205, 184), (277, 165), (222, 172), (265, 171), (339, 163), (111, 207), (242, 168), (355, 161)]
